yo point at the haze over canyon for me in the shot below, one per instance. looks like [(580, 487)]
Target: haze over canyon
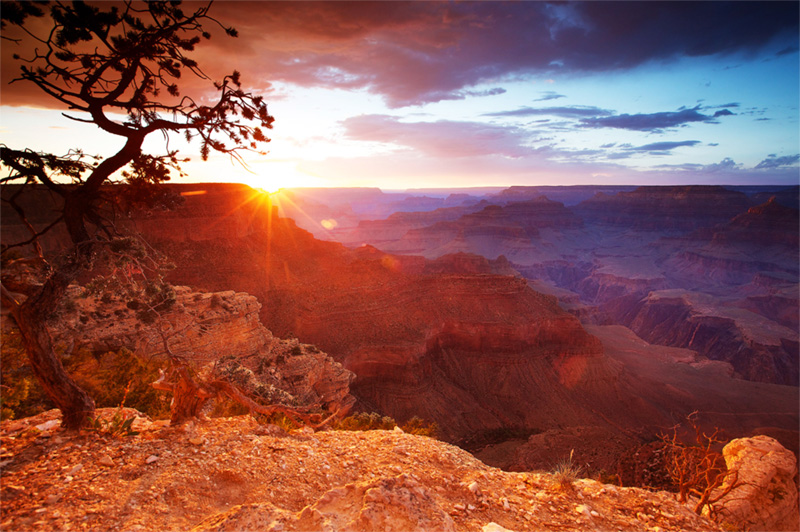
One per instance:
[(525, 321)]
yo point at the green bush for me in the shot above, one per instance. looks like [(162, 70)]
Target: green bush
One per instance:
[(366, 421), (106, 376), (420, 427)]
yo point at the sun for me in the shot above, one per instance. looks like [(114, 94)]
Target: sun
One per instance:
[(273, 176)]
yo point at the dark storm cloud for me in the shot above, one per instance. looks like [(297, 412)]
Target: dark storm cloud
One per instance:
[(652, 121), (412, 53)]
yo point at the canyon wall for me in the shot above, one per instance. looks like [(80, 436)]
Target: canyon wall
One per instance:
[(465, 341)]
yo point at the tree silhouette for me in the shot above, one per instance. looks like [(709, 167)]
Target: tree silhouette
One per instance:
[(119, 67)]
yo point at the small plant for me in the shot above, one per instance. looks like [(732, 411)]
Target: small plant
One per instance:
[(420, 427), (366, 421), (566, 472), (277, 418), (120, 423)]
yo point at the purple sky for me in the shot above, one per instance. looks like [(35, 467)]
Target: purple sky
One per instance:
[(427, 94)]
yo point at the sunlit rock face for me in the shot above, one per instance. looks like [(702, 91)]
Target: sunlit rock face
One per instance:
[(462, 340), (220, 335), (767, 496), (459, 340)]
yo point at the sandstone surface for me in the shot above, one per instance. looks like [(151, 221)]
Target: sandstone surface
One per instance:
[(767, 498), (216, 332), (233, 474)]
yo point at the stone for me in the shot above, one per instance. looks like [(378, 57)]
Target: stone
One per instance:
[(494, 527), (767, 496), (106, 460), (49, 425), (150, 459)]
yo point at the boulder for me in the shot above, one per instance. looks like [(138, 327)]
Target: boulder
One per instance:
[(767, 497)]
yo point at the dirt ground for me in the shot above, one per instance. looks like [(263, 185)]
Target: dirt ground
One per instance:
[(235, 474)]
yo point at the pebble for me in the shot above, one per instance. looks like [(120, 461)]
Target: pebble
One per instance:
[(106, 460), (75, 469), (474, 487), (150, 459), (197, 440), (494, 527)]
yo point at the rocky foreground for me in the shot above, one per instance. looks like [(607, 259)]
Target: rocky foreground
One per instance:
[(235, 474)]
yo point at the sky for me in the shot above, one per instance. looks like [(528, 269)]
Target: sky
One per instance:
[(403, 95)]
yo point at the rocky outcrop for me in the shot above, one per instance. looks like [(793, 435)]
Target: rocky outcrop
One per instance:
[(757, 348), (219, 332), (665, 208), (766, 498), (512, 230), (378, 232), (768, 224), (232, 474), (570, 195)]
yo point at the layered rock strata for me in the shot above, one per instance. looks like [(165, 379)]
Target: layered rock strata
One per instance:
[(220, 334)]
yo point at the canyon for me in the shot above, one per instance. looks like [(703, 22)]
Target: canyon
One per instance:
[(523, 326)]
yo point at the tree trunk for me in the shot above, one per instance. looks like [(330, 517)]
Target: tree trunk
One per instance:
[(74, 403), (31, 318), (188, 399)]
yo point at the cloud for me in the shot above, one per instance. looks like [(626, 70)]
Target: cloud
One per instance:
[(651, 121), (444, 138), (549, 95), (725, 164), (663, 147), (773, 162), (573, 111), (412, 53)]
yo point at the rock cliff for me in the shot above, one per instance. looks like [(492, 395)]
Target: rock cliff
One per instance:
[(219, 330), (665, 208), (757, 348), (512, 230)]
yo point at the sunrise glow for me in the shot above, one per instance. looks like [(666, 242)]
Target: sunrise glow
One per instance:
[(544, 94)]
